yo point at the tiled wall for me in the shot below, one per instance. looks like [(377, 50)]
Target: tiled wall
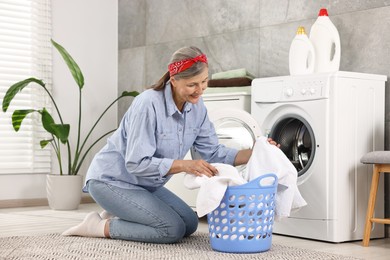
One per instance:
[(251, 34)]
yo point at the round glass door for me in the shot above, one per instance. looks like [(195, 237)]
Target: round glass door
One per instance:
[(296, 139), (234, 133)]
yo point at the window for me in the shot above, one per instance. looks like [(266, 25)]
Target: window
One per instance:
[(25, 51)]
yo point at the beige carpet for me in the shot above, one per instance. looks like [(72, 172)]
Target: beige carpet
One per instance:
[(54, 246)]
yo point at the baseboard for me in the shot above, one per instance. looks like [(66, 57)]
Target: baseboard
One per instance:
[(19, 203)]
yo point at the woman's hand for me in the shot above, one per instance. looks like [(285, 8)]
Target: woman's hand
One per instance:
[(273, 142), (196, 167)]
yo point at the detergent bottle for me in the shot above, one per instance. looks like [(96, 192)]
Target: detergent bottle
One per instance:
[(302, 54), (326, 41)]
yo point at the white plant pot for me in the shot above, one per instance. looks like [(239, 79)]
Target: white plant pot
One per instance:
[(64, 191)]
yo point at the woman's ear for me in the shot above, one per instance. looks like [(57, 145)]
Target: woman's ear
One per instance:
[(172, 80)]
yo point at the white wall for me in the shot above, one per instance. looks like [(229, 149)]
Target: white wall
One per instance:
[(88, 29)]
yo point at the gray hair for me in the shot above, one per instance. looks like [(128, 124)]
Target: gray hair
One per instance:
[(188, 53), (182, 54)]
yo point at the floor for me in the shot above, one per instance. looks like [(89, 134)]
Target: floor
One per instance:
[(42, 220)]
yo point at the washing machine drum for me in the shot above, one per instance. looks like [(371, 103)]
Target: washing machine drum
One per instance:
[(296, 140)]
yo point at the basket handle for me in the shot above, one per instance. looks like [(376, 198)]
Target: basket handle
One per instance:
[(268, 180)]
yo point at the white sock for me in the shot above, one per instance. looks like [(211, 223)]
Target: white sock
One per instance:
[(92, 226), (105, 215)]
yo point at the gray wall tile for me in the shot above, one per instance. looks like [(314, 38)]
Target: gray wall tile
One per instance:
[(365, 40), (131, 75), (283, 11), (131, 24), (177, 20), (233, 51)]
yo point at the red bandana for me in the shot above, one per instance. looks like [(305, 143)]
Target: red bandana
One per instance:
[(179, 66)]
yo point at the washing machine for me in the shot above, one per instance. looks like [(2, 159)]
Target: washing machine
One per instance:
[(325, 123), (229, 110)]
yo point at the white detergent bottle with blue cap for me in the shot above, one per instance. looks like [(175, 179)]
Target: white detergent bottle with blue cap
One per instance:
[(326, 42), (301, 54)]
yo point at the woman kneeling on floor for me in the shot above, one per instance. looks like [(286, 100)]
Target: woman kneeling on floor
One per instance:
[(127, 176)]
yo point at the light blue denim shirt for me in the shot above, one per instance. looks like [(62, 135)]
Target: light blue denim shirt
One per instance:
[(152, 134)]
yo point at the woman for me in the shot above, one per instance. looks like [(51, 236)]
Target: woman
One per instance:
[(127, 176)]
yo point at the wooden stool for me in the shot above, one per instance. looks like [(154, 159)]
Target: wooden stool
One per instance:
[(381, 161)]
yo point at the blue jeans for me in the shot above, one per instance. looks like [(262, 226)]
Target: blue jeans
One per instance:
[(155, 217)]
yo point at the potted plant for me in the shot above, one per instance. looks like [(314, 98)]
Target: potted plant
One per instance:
[(59, 133)]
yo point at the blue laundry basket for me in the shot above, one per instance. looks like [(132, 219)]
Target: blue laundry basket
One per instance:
[(243, 221)]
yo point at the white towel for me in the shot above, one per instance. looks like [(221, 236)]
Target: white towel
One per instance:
[(212, 189), (267, 158)]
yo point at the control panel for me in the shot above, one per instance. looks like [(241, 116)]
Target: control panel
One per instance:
[(296, 89), (290, 89)]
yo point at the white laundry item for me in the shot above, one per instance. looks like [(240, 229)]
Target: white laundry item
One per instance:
[(212, 189), (268, 158)]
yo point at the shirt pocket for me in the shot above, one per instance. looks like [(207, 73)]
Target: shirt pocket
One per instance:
[(166, 143), (165, 136)]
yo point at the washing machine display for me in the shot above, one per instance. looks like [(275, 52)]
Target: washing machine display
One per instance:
[(297, 141), (325, 123)]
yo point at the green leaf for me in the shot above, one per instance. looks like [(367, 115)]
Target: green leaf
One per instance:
[(17, 87), (47, 121), (61, 131), (19, 115), (43, 143), (129, 94), (72, 65)]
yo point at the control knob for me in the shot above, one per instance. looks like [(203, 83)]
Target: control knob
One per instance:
[(289, 92)]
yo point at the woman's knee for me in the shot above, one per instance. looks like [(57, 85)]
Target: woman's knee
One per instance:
[(96, 191), (182, 228), (174, 233), (191, 224)]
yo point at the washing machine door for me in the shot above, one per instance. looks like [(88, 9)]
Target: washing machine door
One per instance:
[(296, 139), (235, 128)]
